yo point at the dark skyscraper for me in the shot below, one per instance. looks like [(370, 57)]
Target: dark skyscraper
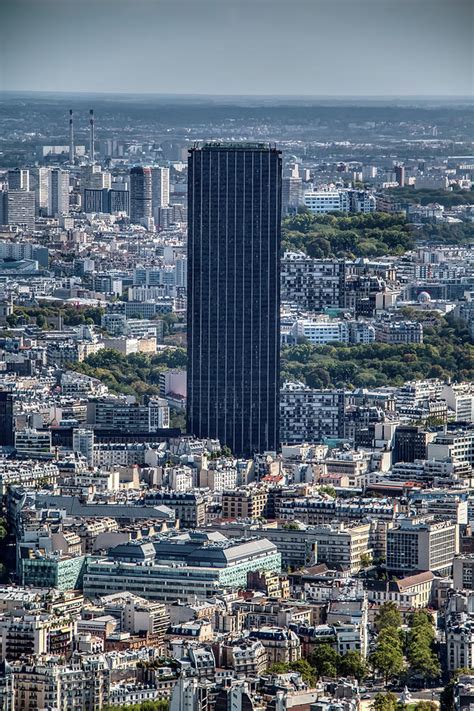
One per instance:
[(234, 211), (140, 195), (6, 419)]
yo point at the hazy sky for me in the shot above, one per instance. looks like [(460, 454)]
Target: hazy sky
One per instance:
[(314, 47)]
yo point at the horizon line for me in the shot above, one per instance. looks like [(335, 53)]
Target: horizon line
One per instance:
[(158, 94)]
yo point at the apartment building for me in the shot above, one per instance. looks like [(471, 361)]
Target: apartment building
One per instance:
[(308, 415), (312, 284), (422, 543)]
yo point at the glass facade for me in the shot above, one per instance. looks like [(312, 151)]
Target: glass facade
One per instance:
[(6, 419), (234, 214)]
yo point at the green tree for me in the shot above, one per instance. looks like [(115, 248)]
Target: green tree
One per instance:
[(160, 705), (420, 646), (388, 661), (385, 702), (278, 668), (387, 658), (446, 698), (301, 666), (426, 706), (366, 560), (353, 664), (329, 490), (325, 660), (178, 419), (388, 616), (12, 320)]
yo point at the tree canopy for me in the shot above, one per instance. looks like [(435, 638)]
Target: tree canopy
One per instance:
[(445, 353), (136, 374), (340, 235)]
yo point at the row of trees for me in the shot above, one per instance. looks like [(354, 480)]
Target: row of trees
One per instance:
[(72, 315), (397, 652), (425, 196), (325, 662), (445, 353), (393, 645), (349, 236)]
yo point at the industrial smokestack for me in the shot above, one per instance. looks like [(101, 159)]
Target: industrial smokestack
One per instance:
[(91, 124), (72, 153)]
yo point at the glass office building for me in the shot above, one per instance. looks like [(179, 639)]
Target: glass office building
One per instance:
[(234, 215)]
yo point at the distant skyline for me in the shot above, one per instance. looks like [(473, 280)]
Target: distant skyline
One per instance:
[(239, 47)]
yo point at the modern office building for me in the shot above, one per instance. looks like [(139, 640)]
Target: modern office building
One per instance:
[(19, 251), (39, 183), (192, 564), (105, 200), (410, 443), (58, 192), (116, 414), (17, 207), (83, 443), (160, 182), (140, 195), (33, 443), (7, 438), (457, 446), (292, 194), (399, 171), (234, 210), (424, 543), (18, 179)]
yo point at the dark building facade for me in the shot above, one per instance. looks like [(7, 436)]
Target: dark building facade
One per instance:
[(140, 195), (410, 443), (105, 200), (6, 419), (234, 215)]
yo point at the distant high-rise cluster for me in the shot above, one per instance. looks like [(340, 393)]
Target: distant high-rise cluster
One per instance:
[(149, 194)]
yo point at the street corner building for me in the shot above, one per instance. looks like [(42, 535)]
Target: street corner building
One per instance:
[(234, 215)]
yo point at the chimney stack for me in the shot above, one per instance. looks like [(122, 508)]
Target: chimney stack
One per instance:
[(72, 153), (91, 124)]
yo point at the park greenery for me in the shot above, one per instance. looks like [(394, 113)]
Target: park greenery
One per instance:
[(366, 235), (136, 374), (385, 702), (338, 235), (427, 196), (43, 315), (445, 353), (301, 666)]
